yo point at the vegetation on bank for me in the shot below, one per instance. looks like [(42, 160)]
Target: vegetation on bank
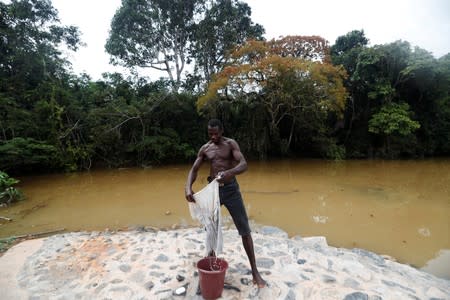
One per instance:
[(8, 193), (294, 96)]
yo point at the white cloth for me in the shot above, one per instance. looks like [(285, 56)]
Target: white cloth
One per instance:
[(206, 209)]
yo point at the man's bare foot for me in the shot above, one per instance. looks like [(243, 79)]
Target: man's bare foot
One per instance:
[(257, 279)]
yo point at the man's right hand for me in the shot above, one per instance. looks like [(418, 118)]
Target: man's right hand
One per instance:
[(190, 196)]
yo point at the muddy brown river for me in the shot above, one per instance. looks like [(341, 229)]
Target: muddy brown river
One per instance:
[(398, 208)]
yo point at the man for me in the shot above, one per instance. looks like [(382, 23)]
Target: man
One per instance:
[(226, 161)]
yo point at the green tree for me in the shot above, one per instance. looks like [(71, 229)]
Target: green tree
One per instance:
[(168, 35), (27, 154), (347, 48), (392, 120), (426, 87), (154, 34), (30, 36), (441, 130), (345, 52), (380, 79), (375, 81), (32, 70), (226, 24)]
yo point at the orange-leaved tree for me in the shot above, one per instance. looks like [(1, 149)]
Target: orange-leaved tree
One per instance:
[(291, 77)]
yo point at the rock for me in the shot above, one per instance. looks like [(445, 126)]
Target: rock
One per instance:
[(357, 296), (181, 291), (328, 279), (290, 284), (265, 262), (356, 270), (276, 254), (273, 231), (290, 295), (149, 285), (162, 258), (115, 281), (242, 269), (165, 280), (315, 241), (180, 278), (156, 274), (351, 283), (121, 289), (388, 257), (435, 293), (138, 276), (395, 284), (377, 259), (134, 257), (100, 287), (166, 293), (125, 268), (231, 287)]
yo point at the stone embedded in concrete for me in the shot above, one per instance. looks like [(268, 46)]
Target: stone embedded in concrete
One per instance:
[(125, 268), (357, 296), (162, 258), (290, 295), (265, 262), (315, 241), (272, 231)]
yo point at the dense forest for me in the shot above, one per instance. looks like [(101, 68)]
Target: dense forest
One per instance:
[(297, 96)]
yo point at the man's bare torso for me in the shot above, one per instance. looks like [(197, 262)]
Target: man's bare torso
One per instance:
[(219, 155)]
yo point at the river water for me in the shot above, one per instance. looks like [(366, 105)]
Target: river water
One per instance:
[(398, 208)]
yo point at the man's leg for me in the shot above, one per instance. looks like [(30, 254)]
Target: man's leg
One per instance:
[(247, 241), (231, 197)]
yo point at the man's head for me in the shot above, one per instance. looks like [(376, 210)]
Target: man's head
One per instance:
[(215, 130)]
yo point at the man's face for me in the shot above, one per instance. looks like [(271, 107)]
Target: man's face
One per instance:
[(215, 134)]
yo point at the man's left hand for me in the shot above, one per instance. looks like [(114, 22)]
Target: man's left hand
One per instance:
[(224, 176)]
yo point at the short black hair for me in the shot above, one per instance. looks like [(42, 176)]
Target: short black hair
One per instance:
[(215, 123)]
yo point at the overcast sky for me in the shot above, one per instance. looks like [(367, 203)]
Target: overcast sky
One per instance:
[(423, 23)]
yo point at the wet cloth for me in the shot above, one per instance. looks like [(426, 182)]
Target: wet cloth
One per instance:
[(206, 209)]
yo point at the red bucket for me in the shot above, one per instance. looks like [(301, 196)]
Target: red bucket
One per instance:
[(212, 276)]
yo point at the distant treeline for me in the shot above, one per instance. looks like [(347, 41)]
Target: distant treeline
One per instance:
[(292, 97)]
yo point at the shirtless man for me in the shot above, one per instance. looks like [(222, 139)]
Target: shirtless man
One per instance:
[(226, 161)]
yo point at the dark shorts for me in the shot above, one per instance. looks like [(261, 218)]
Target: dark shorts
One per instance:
[(230, 196)]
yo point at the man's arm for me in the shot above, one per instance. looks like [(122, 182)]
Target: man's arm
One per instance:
[(192, 176), (241, 166)]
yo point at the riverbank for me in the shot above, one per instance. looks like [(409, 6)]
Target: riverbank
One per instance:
[(155, 264)]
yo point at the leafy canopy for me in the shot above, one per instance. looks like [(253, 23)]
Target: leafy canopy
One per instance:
[(257, 65), (168, 35), (226, 24), (393, 119)]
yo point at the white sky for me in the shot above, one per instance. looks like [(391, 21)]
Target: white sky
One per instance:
[(423, 23)]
